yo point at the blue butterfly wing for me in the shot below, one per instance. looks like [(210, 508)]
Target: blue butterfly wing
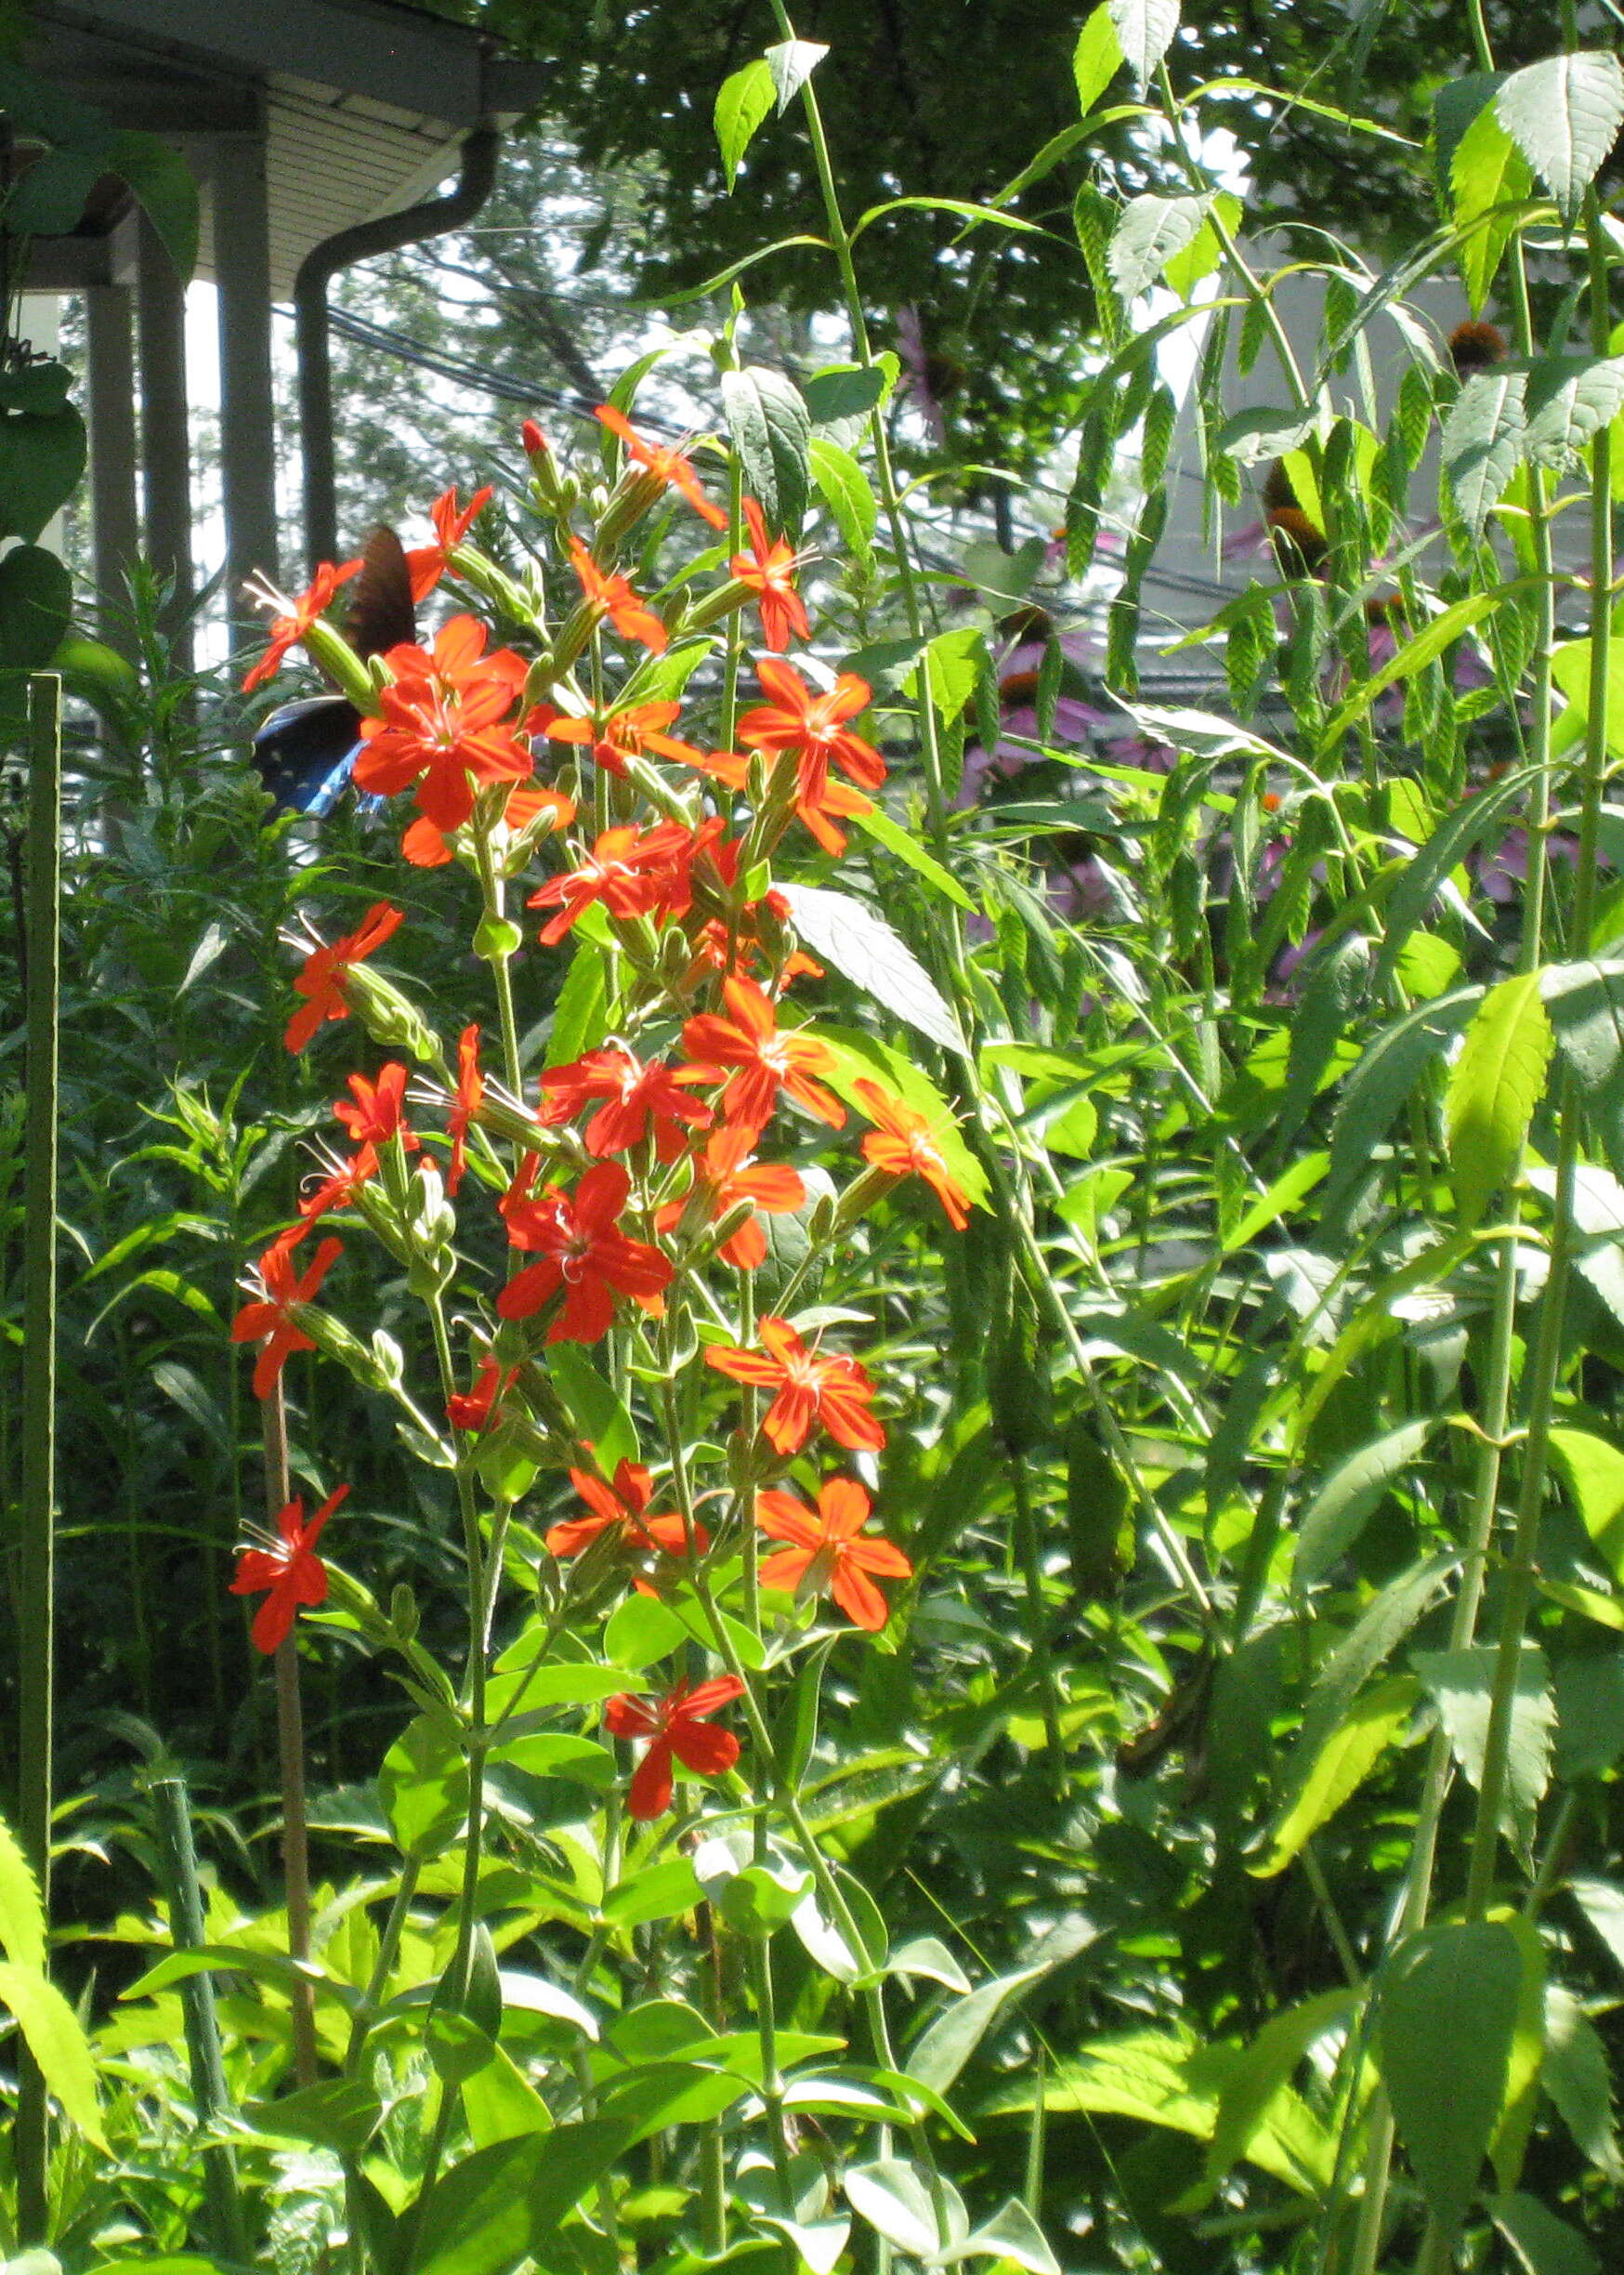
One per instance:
[(305, 752)]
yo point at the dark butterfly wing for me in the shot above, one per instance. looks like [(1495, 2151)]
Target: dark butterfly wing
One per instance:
[(304, 752), (380, 615)]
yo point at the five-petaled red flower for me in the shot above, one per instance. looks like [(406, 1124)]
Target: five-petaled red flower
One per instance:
[(272, 1317), (904, 1143), (635, 1096), (377, 1113), (321, 980), (427, 848), (813, 727), (770, 569), (726, 1173), (287, 631), (815, 800), (475, 1409), (813, 1387), (426, 564), (765, 1060), (675, 1724), (610, 595), (443, 722), (632, 872), (615, 736), (670, 466), (827, 1551), (466, 1104), (583, 1255), (623, 1508), (291, 1570)]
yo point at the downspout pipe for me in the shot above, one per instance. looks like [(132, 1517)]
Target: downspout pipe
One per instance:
[(312, 334)]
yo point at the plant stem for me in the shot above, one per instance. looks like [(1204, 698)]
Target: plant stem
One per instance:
[(290, 1735), (36, 1592)]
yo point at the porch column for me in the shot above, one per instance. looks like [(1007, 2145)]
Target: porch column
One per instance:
[(247, 403), (111, 402), (165, 433)]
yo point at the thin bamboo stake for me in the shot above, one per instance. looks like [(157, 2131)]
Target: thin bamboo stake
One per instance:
[(37, 1562)]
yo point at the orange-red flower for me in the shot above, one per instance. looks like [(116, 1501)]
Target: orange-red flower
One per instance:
[(827, 1551), (813, 727), (770, 569), (726, 1173), (442, 723), (636, 1096), (287, 631), (378, 1110), (427, 848), (670, 466), (610, 595), (815, 800), (321, 980), (622, 1507), (289, 1567), (426, 564), (633, 872), (584, 1255), (675, 1724), (272, 1317), (616, 736), (904, 1143), (828, 1389), (477, 1408), (466, 1104), (765, 1060)]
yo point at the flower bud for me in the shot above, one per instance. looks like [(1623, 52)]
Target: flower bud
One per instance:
[(338, 660), (389, 1016)]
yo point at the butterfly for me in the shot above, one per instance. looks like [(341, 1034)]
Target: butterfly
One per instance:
[(305, 752)]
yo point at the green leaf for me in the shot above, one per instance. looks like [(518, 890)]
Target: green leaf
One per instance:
[(1205, 250), (877, 823), (892, 2196), (658, 1891), (791, 64), (642, 1629), (1448, 2010), (1145, 29), (339, 2113), (1461, 1684), (1096, 58), (22, 1919), (1150, 232), (36, 597), (946, 2044), (1570, 668), (1494, 1086), (1486, 172), (744, 104), (1382, 1083), (1343, 1761), (1351, 1494), (953, 663), (49, 199), (1592, 1471), (1585, 1004), (1545, 2244), (1576, 2076), (1265, 2067), (772, 434), (591, 1402), (848, 390), (165, 189), (860, 1057), (55, 2038), (1564, 114), (42, 457), (1250, 437), (505, 2203), (1567, 399), (1484, 441), (581, 1014), (843, 487), (1012, 2234), (864, 947), (424, 1785)]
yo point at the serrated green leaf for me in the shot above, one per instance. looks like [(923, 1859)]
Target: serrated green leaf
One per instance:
[(848, 934), (772, 434), (1564, 114), (1148, 232), (1461, 1684), (1486, 172), (1096, 58), (1484, 442), (1567, 399), (1448, 1994), (1345, 1759), (791, 64), (1494, 1086), (22, 1919), (1337, 1514), (1145, 29), (55, 2038)]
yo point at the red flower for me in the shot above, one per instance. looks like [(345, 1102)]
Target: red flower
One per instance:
[(675, 1725), (669, 465), (622, 1505), (905, 1144), (535, 442), (470, 1091), (427, 848), (610, 595), (812, 1386), (473, 1409), (725, 1173), (426, 564), (767, 1061), (287, 631), (827, 1551), (291, 1570), (625, 734), (813, 727), (272, 1318), (378, 1111), (443, 723), (633, 872), (583, 1255), (321, 980), (770, 570), (815, 800), (636, 1095)]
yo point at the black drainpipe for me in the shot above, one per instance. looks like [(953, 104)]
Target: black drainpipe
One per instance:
[(318, 269)]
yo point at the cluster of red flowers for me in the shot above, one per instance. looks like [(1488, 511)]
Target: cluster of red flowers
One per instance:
[(670, 1142)]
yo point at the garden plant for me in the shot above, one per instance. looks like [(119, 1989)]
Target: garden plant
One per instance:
[(910, 1367)]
